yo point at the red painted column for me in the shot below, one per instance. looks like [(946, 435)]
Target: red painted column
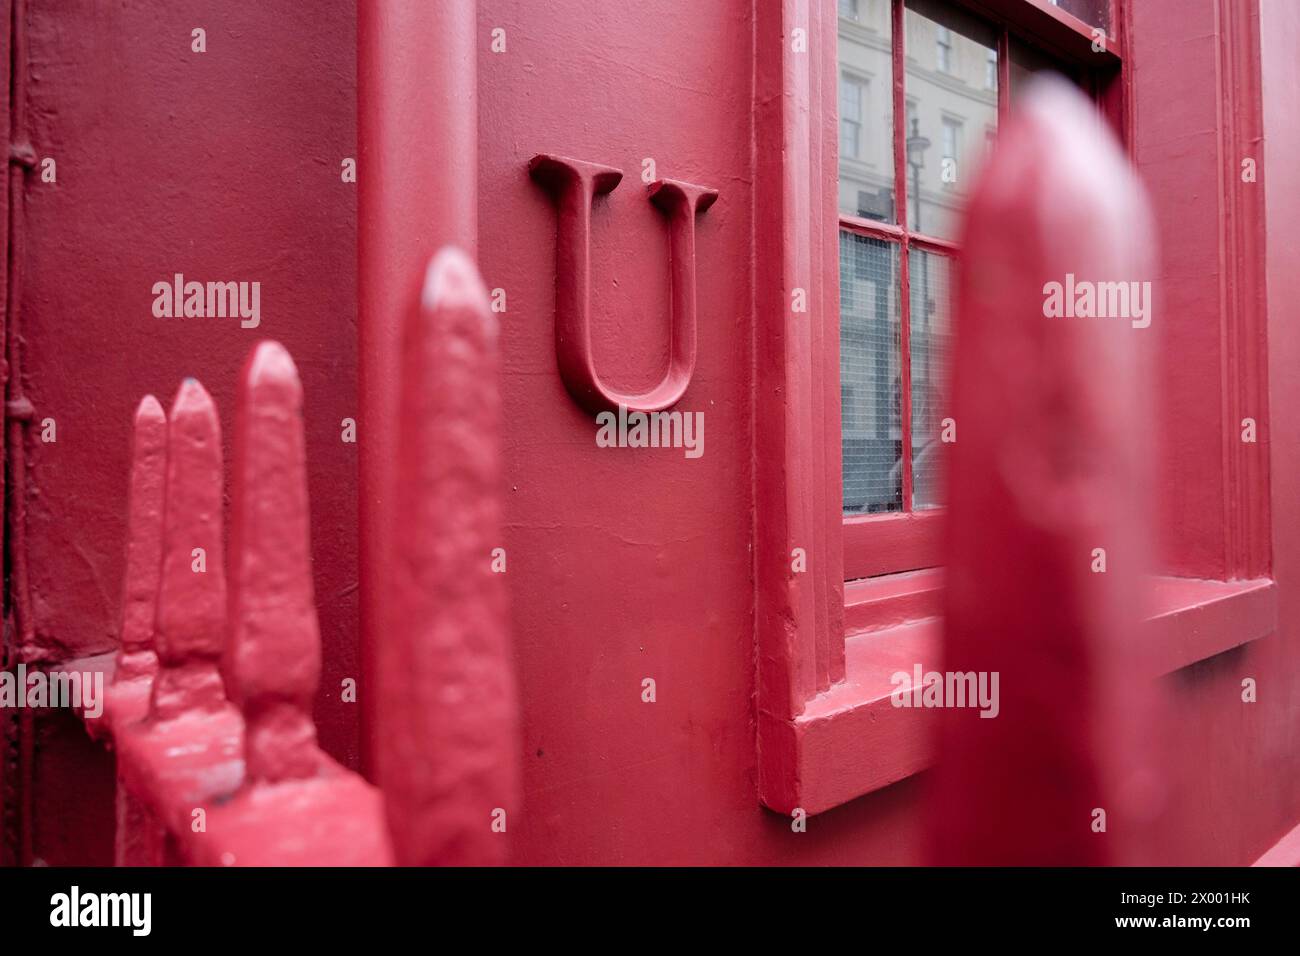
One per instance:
[(418, 180), (1047, 481), (799, 615)]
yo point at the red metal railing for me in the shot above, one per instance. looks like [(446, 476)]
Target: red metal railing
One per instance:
[(209, 703), (209, 709)]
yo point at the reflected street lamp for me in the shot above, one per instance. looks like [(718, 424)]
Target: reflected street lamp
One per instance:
[(916, 147)]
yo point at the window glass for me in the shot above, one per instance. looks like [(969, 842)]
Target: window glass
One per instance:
[(869, 374), (943, 50), (1092, 12), (952, 84), (951, 143), (851, 95), (955, 93), (866, 82), (930, 332)]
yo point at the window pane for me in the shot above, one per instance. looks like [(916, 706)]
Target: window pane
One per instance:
[(943, 50), (1026, 61), (1092, 12), (930, 328), (852, 93), (952, 87), (869, 375), (866, 111)]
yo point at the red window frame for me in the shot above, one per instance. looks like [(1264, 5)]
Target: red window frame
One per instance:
[(908, 540), (815, 700)]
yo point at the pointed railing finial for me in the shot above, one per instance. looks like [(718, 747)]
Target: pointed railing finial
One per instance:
[(192, 591), (273, 656), (136, 656), (447, 698)]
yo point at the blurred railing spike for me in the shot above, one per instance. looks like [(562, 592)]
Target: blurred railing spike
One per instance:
[(447, 698), (1050, 467)]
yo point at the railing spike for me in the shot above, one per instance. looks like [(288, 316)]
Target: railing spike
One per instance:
[(139, 837), (192, 591), (273, 656), (447, 700), (136, 656)]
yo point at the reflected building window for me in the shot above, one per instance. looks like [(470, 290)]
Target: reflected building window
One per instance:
[(852, 94), (943, 50), (894, 346), (951, 146)]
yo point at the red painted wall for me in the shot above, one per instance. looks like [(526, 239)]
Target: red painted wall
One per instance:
[(628, 563), (1279, 740), (221, 166), (1236, 782), (1176, 151), (636, 563)]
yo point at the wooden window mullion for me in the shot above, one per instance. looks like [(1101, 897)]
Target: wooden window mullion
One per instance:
[(898, 53)]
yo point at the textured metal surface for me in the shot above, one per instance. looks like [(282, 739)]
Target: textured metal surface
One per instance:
[(136, 656), (139, 838), (187, 750), (273, 656), (201, 779), (448, 717), (192, 588)]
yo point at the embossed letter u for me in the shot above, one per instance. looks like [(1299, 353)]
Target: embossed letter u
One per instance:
[(573, 184)]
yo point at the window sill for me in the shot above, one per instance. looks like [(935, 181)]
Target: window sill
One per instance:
[(851, 740), (872, 604)]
